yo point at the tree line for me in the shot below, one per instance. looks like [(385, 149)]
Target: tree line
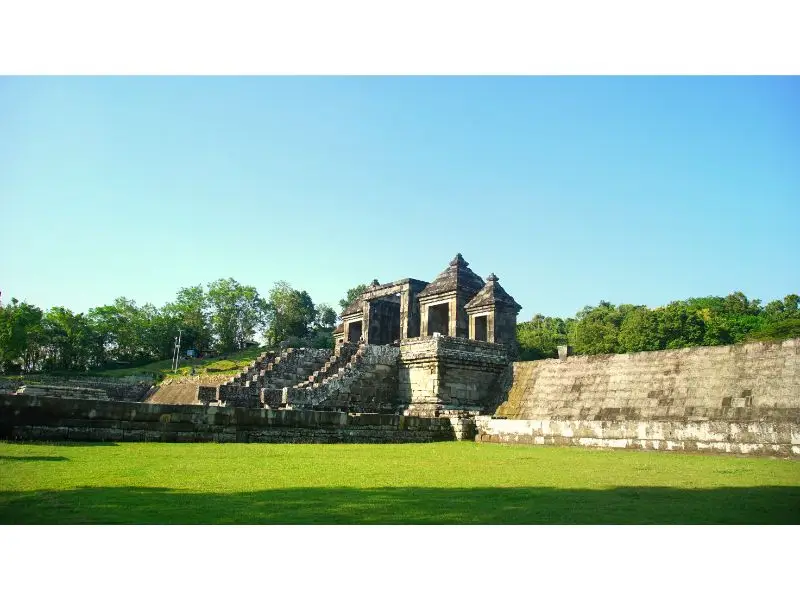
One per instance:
[(707, 321), (224, 315), (218, 318)]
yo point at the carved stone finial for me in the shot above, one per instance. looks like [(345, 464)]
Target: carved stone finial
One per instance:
[(492, 277), (458, 261)]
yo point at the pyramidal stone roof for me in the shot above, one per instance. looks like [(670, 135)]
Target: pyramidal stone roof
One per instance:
[(456, 277), (493, 294)]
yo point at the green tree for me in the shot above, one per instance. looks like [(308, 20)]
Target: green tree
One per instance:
[(123, 332), (596, 329), (237, 313), (66, 340), (351, 295), (679, 326), (787, 309), (190, 313), (20, 336), (639, 331), (540, 337), (326, 317), (291, 313)]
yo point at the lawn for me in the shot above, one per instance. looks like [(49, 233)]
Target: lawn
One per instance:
[(456, 483), (229, 364)]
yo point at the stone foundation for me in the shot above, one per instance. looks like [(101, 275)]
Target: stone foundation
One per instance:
[(741, 399), (753, 437), (442, 375), (132, 388), (54, 419), (758, 381)]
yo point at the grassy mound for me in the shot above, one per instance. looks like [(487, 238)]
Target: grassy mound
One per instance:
[(228, 364)]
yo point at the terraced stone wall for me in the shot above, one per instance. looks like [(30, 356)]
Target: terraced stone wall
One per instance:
[(743, 399), (132, 388), (53, 419)]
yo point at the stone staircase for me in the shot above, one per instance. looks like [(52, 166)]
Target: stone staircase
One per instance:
[(262, 382), (364, 382), (334, 365)]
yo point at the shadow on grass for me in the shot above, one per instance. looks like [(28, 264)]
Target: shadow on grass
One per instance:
[(35, 458), (56, 443), (527, 505)]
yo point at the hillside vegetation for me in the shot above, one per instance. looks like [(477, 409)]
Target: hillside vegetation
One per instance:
[(221, 318), (229, 364), (708, 321)]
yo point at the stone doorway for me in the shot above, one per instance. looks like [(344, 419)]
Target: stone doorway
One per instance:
[(482, 328), (354, 331), (439, 319)]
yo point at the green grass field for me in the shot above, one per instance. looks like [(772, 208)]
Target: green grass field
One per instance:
[(455, 483)]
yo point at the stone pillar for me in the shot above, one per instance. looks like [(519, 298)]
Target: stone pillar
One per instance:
[(453, 318), (365, 323)]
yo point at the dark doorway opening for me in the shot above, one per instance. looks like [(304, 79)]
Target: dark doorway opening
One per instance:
[(354, 331), (384, 320), (482, 328), (439, 319)]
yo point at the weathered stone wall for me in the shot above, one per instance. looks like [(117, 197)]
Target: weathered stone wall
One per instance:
[(760, 380), (43, 418), (742, 398), (715, 435), (206, 394), (442, 375), (58, 391), (130, 388)]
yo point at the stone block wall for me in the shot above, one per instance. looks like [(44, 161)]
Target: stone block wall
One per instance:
[(52, 419), (207, 394), (59, 391), (743, 399), (776, 438), (133, 388), (442, 375), (759, 380)]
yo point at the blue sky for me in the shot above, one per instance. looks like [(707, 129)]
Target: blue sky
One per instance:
[(573, 190)]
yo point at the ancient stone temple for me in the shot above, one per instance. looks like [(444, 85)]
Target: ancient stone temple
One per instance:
[(408, 347), (456, 335), (457, 303), (419, 361)]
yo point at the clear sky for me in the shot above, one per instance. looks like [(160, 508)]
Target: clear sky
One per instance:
[(572, 190)]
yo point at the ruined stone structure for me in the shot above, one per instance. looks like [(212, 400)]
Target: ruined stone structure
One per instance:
[(130, 388), (408, 347), (27, 417), (418, 361)]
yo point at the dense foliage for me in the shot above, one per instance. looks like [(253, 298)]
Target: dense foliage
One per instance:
[(225, 315), (222, 317), (708, 321)]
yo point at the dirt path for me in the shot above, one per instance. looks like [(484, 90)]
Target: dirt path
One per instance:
[(183, 390)]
